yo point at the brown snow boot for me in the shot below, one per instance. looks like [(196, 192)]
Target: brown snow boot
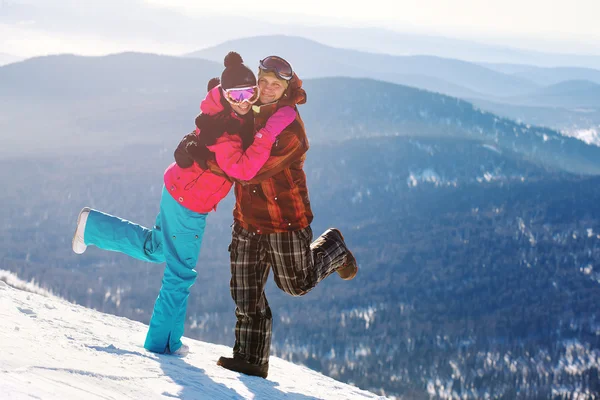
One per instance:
[(238, 364), (350, 268)]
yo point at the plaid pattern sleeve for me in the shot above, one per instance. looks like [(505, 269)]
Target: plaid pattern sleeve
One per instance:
[(287, 149)]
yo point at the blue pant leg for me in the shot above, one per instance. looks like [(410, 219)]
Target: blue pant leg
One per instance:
[(182, 238), (116, 234)]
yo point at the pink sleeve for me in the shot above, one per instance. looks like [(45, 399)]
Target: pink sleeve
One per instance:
[(236, 162)]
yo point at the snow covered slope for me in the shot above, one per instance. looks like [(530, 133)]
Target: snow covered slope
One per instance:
[(53, 349)]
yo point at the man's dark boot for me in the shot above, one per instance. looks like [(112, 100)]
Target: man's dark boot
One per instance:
[(238, 364), (350, 268)]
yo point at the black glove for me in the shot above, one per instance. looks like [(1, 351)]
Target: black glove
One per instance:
[(182, 157), (213, 126), (193, 147), (199, 153)]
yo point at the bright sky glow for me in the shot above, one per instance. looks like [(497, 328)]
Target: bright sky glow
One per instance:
[(94, 27), (510, 17)]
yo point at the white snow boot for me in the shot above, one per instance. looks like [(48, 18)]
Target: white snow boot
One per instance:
[(182, 351), (79, 245)]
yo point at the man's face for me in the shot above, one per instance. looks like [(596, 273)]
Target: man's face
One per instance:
[(271, 89)]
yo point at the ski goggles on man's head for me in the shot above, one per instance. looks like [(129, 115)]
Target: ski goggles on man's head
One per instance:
[(239, 95), (278, 65)]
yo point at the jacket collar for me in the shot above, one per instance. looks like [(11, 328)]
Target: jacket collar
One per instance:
[(294, 94)]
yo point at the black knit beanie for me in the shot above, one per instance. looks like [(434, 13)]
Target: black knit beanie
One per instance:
[(236, 74)]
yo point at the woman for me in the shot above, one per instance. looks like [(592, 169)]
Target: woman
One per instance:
[(190, 191)]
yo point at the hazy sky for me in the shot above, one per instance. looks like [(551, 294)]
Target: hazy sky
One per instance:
[(575, 17), (32, 27)]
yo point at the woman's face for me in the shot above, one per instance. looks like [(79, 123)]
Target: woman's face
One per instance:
[(271, 89), (242, 108)]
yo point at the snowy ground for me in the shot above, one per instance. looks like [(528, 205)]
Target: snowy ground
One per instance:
[(53, 349)]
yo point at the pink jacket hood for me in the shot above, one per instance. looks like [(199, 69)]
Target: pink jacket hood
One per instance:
[(211, 104)]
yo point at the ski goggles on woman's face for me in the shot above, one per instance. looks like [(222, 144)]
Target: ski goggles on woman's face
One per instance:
[(240, 95), (278, 65)]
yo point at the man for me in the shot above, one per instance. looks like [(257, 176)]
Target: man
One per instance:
[(272, 227)]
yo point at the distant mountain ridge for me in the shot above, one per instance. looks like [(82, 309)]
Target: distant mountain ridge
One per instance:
[(8, 58), (500, 85), (570, 94), (552, 76), (385, 109), (313, 59), (570, 87), (147, 98), (68, 74), (405, 43)]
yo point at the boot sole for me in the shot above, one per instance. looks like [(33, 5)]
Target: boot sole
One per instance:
[(77, 227), (350, 277), (231, 365)]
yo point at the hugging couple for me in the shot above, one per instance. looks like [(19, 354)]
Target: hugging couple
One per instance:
[(249, 135)]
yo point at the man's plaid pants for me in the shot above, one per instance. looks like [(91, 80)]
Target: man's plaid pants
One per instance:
[(298, 266)]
